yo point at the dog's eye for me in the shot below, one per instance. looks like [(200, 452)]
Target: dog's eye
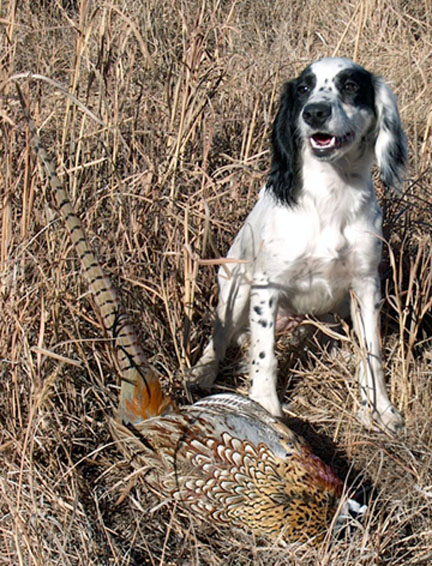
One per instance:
[(350, 86), (303, 88)]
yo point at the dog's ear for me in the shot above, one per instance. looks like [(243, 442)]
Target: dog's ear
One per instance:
[(283, 180), (390, 143)]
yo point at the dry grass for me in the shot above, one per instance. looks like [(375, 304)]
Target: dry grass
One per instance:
[(162, 173)]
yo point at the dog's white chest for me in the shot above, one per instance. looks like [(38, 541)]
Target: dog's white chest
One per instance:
[(309, 260), (310, 253), (317, 278)]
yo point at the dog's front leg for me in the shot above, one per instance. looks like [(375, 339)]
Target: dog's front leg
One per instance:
[(231, 322), (376, 408), (263, 364)]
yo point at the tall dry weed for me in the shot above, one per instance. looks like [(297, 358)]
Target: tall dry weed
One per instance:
[(158, 115)]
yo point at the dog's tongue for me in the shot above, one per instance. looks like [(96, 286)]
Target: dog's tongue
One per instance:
[(322, 139)]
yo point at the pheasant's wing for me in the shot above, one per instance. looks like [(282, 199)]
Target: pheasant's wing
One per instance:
[(248, 420), (237, 404)]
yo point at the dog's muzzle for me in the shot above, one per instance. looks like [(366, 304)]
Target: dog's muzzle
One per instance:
[(323, 142)]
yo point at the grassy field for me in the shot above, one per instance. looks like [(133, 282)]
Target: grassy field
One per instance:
[(158, 114)]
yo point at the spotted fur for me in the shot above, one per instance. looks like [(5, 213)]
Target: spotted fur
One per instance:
[(313, 238)]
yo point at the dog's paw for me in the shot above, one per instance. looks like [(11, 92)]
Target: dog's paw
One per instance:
[(203, 375), (389, 420)]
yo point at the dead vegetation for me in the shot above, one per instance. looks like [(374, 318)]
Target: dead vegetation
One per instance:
[(158, 114)]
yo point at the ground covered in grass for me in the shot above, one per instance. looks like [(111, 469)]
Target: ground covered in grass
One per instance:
[(158, 114)]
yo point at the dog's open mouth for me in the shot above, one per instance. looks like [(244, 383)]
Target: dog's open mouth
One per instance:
[(323, 143)]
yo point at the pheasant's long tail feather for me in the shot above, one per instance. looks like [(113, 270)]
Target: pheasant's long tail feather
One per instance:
[(141, 394)]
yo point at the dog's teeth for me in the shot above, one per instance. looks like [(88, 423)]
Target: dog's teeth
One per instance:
[(323, 144), (319, 142)]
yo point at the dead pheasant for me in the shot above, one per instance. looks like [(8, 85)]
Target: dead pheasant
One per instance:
[(224, 458)]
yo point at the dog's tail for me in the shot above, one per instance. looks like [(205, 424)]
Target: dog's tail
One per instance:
[(141, 394)]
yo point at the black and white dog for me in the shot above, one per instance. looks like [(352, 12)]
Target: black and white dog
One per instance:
[(314, 236)]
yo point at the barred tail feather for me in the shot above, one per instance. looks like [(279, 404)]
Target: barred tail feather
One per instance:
[(141, 394)]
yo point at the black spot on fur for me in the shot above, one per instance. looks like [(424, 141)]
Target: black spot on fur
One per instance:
[(258, 310), (263, 323), (364, 93), (262, 355)]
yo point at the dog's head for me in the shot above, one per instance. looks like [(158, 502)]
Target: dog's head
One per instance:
[(335, 110)]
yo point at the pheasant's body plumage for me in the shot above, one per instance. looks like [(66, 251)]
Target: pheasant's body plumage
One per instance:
[(224, 458), (227, 460)]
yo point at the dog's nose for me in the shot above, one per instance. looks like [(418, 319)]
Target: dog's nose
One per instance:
[(315, 114)]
